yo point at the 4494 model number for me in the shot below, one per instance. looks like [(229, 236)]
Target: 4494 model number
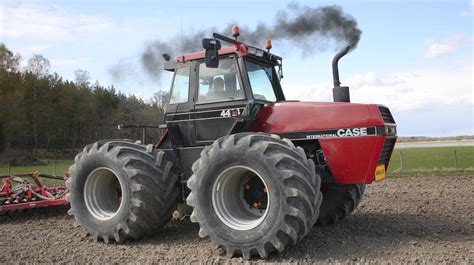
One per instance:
[(226, 113)]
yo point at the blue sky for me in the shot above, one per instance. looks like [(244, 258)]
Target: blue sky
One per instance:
[(414, 56)]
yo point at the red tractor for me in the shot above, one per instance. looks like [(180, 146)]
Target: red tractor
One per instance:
[(258, 171)]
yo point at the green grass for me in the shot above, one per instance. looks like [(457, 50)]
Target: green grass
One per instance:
[(59, 168), (433, 160)]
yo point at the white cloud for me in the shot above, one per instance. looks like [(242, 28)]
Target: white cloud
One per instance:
[(73, 62), (435, 49), (405, 90), (33, 48), (48, 23), (426, 101), (422, 88), (470, 11), (371, 78)]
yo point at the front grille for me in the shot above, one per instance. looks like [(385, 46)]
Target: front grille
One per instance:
[(386, 151), (386, 115)]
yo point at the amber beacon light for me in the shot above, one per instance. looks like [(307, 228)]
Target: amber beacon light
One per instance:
[(235, 31), (268, 44)]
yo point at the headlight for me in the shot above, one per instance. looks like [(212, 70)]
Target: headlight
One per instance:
[(390, 130)]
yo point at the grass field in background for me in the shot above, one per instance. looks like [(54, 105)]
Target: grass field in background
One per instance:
[(416, 161), (57, 168), (433, 160)]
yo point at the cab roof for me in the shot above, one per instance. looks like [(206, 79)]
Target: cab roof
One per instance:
[(238, 48)]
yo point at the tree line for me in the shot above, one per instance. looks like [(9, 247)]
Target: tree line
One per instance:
[(41, 110)]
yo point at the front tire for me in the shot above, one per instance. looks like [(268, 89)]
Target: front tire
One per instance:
[(339, 201), (120, 190), (253, 194)]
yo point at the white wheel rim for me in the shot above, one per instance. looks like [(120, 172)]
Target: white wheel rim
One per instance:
[(228, 199), (101, 193)]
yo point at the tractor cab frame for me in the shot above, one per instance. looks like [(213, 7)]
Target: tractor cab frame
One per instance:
[(195, 118)]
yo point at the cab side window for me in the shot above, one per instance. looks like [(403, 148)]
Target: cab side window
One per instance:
[(180, 87), (219, 84)]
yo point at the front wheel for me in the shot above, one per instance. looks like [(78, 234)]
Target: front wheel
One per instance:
[(339, 201), (253, 194)]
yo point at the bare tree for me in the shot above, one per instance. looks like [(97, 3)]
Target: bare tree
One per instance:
[(38, 65), (82, 78), (9, 62), (160, 99)]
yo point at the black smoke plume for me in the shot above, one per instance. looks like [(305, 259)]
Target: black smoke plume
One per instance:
[(305, 27)]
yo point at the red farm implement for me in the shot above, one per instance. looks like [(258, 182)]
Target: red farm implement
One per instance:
[(25, 191)]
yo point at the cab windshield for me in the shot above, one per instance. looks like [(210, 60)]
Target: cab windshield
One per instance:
[(261, 81), (221, 83)]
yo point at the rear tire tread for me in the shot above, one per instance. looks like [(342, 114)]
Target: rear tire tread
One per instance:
[(153, 190), (301, 184)]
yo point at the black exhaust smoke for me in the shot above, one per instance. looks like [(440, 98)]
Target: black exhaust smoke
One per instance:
[(305, 27)]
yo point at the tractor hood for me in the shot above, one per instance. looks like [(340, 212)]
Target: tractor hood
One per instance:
[(356, 139), (295, 116)]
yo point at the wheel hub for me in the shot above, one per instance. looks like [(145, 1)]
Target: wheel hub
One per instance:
[(103, 193), (255, 194), (240, 198)]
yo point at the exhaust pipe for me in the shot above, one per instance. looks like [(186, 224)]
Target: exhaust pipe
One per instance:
[(339, 93)]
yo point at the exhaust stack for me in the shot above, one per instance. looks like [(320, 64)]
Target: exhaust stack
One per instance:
[(339, 93)]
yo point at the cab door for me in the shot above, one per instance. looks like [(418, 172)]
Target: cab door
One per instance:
[(220, 100), (178, 115)]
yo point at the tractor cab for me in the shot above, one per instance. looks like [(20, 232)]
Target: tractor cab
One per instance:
[(218, 91)]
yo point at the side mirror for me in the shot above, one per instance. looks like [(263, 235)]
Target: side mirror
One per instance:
[(212, 47)]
